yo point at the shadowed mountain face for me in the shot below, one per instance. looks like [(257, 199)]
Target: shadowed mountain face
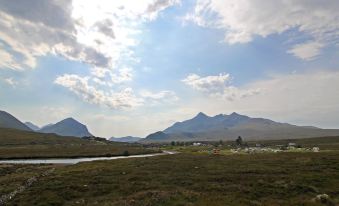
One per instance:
[(9, 121), (32, 126), (229, 127), (125, 139), (67, 127), (203, 123)]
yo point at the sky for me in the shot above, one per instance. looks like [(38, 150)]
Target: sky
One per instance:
[(136, 67)]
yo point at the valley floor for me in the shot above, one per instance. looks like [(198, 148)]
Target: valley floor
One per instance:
[(183, 179)]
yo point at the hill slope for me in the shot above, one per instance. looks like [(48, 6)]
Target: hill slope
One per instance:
[(9, 121), (13, 137), (19, 144), (67, 127), (229, 127), (32, 126)]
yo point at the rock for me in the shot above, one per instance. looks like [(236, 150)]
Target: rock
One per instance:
[(324, 199)]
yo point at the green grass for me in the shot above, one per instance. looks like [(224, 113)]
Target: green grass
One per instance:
[(16, 144), (192, 179)]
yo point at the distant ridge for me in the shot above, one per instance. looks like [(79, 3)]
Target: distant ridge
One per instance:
[(67, 127), (47, 125), (129, 139), (227, 127), (9, 121), (32, 126)]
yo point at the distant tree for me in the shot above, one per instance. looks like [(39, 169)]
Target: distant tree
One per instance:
[(221, 142), (173, 143), (215, 144), (239, 141)]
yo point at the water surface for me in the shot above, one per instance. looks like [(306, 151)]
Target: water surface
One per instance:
[(76, 160)]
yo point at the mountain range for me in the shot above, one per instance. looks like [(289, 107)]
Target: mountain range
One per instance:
[(228, 127), (129, 139), (200, 128), (66, 127)]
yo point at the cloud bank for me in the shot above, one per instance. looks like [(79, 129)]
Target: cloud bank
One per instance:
[(96, 33), (243, 20)]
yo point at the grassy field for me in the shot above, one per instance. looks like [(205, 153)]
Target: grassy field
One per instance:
[(192, 179), (324, 143), (16, 144), (188, 178)]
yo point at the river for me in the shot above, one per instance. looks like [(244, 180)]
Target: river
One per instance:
[(77, 160)]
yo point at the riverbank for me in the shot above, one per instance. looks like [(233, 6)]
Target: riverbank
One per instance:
[(16, 144), (71, 151), (107, 152)]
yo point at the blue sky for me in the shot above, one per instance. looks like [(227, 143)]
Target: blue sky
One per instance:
[(126, 68)]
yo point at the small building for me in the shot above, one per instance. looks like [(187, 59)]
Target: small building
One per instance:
[(196, 144)]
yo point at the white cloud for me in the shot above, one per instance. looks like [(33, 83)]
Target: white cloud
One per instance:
[(7, 60), (307, 51), (159, 5), (123, 99), (88, 91), (218, 86), (208, 83), (107, 77), (242, 20), (159, 97), (10, 81)]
